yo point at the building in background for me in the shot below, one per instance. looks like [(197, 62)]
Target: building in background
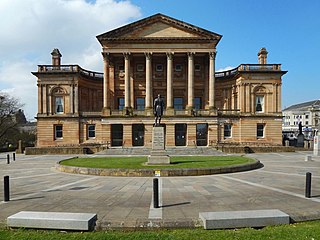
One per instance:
[(159, 55), (308, 113)]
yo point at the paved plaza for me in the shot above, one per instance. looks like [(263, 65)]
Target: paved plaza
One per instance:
[(35, 185)]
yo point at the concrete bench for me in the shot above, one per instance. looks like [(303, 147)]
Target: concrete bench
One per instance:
[(53, 220), (240, 219)]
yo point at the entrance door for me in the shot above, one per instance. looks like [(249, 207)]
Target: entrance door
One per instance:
[(116, 135), (137, 134), (202, 134), (180, 134)]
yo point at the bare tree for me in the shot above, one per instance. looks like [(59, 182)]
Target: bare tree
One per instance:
[(9, 105)]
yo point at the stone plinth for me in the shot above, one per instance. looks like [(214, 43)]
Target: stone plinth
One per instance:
[(240, 219), (316, 146), (300, 140), (53, 220), (158, 154)]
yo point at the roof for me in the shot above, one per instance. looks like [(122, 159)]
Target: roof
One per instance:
[(140, 30), (304, 106)]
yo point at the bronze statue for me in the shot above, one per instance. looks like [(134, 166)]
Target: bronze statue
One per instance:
[(158, 107)]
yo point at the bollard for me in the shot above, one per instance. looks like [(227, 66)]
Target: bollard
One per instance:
[(308, 185), (8, 159), (14, 156), (156, 193), (6, 189)]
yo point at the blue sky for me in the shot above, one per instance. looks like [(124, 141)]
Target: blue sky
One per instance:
[(289, 29)]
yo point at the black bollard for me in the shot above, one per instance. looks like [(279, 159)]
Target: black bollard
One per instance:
[(8, 159), (14, 156), (6, 189), (156, 193), (308, 185)]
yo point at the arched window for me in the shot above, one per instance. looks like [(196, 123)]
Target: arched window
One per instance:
[(260, 93), (58, 95)]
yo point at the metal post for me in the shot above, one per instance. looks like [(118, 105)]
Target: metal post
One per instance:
[(308, 185), (14, 156), (8, 159), (6, 189), (156, 193)]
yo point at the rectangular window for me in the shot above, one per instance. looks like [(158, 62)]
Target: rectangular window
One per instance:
[(58, 132), (178, 103), (59, 105), (178, 68), (91, 129), (140, 103), (227, 130), (159, 67), (260, 130), (197, 103), (259, 104), (140, 67), (307, 122), (120, 103), (307, 116), (121, 68), (197, 67)]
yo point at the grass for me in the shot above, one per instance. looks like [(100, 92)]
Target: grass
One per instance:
[(176, 162), (306, 230)]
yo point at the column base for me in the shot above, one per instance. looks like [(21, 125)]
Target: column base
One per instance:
[(128, 111), (170, 112), (106, 112)]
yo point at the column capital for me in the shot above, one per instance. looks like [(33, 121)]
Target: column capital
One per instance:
[(126, 55), (148, 55), (212, 55), (106, 55), (170, 55), (190, 54)]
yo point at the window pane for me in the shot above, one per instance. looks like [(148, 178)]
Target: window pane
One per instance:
[(58, 131), (197, 103), (202, 133), (227, 130), (120, 103), (260, 130), (178, 103), (140, 103), (259, 104), (59, 105), (91, 131), (180, 134)]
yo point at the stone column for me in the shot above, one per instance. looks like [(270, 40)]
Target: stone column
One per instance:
[(148, 81), (279, 97), (40, 101), (190, 80), (45, 99), (106, 61), (127, 102), (71, 99), (169, 80), (212, 57)]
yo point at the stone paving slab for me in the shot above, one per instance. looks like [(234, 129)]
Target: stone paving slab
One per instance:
[(35, 185)]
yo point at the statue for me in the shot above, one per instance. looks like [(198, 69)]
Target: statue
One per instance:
[(158, 107), (300, 128)]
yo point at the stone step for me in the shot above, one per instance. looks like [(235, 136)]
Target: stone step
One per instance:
[(241, 219), (53, 220)]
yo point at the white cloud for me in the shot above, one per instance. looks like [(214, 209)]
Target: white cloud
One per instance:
[(30, 29), (225, 69)]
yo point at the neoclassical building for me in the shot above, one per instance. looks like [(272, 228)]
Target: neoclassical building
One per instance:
[(159, 55)]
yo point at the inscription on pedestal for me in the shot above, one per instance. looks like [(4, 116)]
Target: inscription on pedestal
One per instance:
[(158, 138), (158, 154)]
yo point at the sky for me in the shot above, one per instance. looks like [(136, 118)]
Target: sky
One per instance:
[(31, 29)]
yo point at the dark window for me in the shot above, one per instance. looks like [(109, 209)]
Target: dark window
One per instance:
[(259, 104), (159, 67), (197, 67), (120, 103), (180, 134), (91, 131), (59, 104), (58, 132), (121, 68), (140, 103), (178, 68), (202, 134), (260, 130), (140, 67), (197, 103), (137, 134), (116, 135), (178, 103), (227, 130)]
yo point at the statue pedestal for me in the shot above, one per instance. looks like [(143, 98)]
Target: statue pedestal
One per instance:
[(300, 140), (158, 154), (316, 145)]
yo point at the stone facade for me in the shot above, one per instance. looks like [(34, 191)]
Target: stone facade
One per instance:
[(159, 55)]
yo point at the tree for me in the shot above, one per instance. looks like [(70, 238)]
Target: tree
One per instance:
[(9, 106)]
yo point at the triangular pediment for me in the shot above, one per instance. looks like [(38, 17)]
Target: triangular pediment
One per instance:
[(158, 27)]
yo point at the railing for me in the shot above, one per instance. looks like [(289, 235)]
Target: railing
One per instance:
[(248, 67), (69, 68)]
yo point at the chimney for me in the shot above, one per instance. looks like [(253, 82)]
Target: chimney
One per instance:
[(262, 56), (56, 57)]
